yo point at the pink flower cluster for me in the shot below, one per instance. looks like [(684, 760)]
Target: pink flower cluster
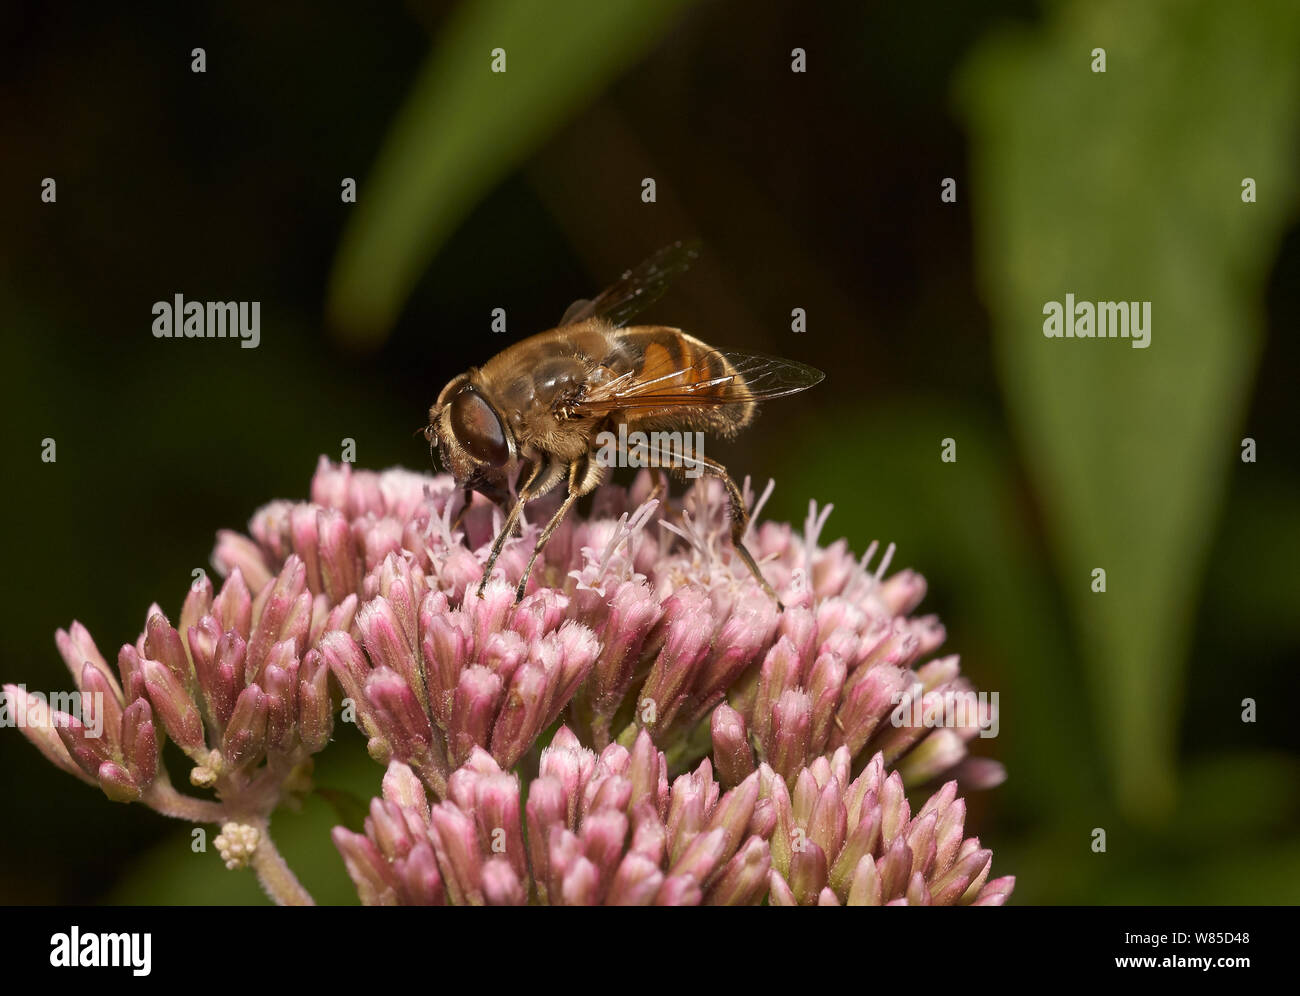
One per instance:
[(639, 631), (243, 693), (624, 627), (609, 830)]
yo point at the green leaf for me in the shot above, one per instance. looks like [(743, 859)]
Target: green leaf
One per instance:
[(1126, 186), (465, 127)]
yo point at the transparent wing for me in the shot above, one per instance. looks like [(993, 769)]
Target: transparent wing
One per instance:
[(638, 288), (717, 377)]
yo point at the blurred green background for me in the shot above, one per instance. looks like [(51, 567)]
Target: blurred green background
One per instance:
[(818, 190)]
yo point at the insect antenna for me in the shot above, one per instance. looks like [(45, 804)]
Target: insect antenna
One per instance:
[(431, 434)]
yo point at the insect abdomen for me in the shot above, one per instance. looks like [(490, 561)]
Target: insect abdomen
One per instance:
[(707, 375)]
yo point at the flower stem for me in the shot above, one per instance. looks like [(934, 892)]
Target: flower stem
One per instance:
[(278, 881), (163, 798)]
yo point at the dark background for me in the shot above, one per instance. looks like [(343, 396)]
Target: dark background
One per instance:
[(816, 190)]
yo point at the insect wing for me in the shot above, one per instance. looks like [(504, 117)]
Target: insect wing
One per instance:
[(716, 377), (638, 288)]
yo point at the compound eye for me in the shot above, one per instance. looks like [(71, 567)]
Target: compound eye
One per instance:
[(478, 429)]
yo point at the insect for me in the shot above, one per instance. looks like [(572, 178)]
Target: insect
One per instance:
[(538, 406)]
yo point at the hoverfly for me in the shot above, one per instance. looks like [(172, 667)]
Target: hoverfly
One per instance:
[(539, 405)]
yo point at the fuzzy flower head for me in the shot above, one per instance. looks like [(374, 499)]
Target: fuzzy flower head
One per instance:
[(605, 829), (854, 841), (237, 686), (681, 725), (638, 617), (610, 829)]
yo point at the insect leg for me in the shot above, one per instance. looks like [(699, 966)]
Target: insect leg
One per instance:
[(739, 522), (645, 458), (577, 472), (658, 486), (468, 500), (526, 494)]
